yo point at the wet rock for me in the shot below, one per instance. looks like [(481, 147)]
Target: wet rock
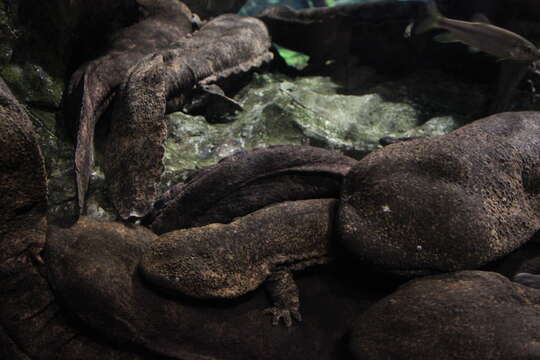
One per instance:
[(58, 157), (93, 267), (33, 85), (311, 111), (272, 117), (248, 181), (193, 144), (464, 315), (445, 203), (30, 42), (41, 42)]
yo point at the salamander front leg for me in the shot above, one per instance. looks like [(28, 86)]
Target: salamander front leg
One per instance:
[(284, 294)]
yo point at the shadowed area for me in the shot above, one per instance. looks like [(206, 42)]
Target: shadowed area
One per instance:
[(93, 267), (464, 315), (372, 33), (32, 322)]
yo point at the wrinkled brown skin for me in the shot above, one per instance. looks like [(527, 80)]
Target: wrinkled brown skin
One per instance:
[(446, 203), (134, 148), (23, 191), (226, 45), (32, 323), (92, 87), (230, 260), (93, 268), (251, 180), (466, 315)]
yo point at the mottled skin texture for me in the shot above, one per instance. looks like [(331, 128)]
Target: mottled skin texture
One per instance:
[(466, 315), (132, 180), (226, 45), (94, 305), (32, 323), (23, 224), (446, 203), (92, 267), (230, 260), (92, 87), (251, 180)]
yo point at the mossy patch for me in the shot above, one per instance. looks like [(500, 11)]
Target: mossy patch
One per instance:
[(33, 85)]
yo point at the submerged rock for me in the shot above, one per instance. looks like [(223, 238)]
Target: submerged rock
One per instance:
[(465, 315), (279, 110), (40, 41), (58, 158), (35, 58), (33, 85), (312, 111)]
